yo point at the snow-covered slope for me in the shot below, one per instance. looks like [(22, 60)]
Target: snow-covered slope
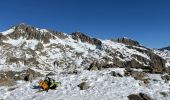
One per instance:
[(103, 86), (25, 47), (164, 54)]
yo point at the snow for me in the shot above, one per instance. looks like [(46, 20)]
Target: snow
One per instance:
[(29, 43), (8, 31), (103, 86), (42, 30), (123, 49), (165, 55)]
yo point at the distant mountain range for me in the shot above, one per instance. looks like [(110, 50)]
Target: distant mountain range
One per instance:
[(165, 48)]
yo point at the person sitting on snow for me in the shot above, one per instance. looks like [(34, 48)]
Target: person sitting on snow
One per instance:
[(48, 83)]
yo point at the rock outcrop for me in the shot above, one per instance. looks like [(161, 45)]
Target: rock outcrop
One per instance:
[(127, 41), (29, 32), (85, 38), (9, 77)]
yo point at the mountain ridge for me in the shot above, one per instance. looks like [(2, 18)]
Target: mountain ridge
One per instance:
[(165, 48), (140, 56), (109, 67)]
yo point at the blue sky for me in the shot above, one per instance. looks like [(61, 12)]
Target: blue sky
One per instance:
[(147, 21)]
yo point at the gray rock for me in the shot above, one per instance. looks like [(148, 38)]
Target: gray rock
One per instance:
[(113, 73), (95, 66), (145, 96), (140, 96), (10, 77), (83, 86), (166, 78), (134, 97), (136, 74), (165, 94), (146, 81)]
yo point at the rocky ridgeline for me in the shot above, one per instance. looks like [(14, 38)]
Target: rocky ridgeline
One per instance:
[(84, 38), (40, 57), (29, 32), (127, 41), (156, 63)]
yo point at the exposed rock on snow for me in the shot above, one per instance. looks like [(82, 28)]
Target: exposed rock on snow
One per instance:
[(95, 66), (83, 86), (166, 78), (84, 38), (9, 77), (113, 73), (140, 96), (127, 41), (27, 53)]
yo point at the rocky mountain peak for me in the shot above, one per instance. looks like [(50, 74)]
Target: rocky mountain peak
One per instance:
[(22, 25), (29, 32), (84, 38), (127, 41)]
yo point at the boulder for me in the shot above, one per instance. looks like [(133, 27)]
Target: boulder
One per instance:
[(165, 94), (140, 96), (134, 97), (146, 81), (83, 86), (136, 74), (113, 73), (145, 96), (166, 78), (168, 70), (157, 63), (95, 66)]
